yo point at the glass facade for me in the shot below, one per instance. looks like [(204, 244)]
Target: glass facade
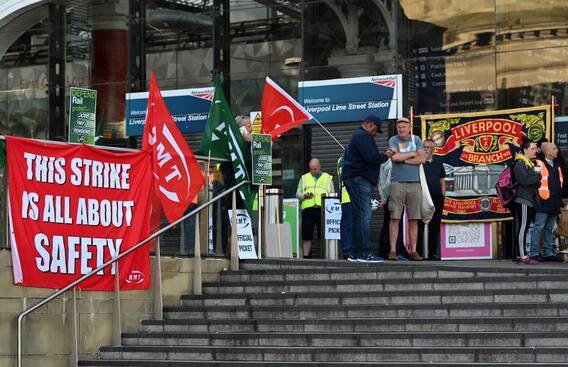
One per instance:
[(454, 55)]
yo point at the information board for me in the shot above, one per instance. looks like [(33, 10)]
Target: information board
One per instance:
[(352, 99), (189, 109)]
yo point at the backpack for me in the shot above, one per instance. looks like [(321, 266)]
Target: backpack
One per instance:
[(506, 187)]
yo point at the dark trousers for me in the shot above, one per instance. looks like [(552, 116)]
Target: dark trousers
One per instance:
[(524, 216), (346, 229), (433, 229)]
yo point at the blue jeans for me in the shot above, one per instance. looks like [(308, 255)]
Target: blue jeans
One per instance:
[(543, 227), (346, 228), (360, 191)]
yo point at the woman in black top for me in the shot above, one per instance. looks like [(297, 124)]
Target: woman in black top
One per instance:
[(527, 176)]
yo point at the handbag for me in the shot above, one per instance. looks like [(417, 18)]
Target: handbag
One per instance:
[(427, 207), (562, 229)]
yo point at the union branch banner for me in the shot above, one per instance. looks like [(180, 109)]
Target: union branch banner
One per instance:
[(475, 148), (74, 207)]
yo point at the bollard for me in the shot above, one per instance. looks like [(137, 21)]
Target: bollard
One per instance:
[(234, 244), (197, 277)]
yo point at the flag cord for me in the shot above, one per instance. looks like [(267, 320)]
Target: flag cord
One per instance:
[(327, 131)]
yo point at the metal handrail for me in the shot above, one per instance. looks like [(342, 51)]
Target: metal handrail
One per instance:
[(113, 260)]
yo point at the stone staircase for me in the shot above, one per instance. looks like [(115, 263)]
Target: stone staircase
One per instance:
[(332, 313)]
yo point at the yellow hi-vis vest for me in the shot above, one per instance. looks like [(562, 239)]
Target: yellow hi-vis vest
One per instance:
[(345, 199), (544, 189), (318, 187)]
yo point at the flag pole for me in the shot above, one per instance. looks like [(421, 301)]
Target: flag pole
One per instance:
[(411, 119), (260, 200), (327, 131), (278, 230), (553, 103), (208, 181)]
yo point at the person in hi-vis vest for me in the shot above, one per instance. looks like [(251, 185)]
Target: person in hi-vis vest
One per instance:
[(311, 187), (551, 191), (346, 214)]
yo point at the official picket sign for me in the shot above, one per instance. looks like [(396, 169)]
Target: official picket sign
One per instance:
[(73, 208), (352, 99), (332, 219), (189, 109), (245, 239)]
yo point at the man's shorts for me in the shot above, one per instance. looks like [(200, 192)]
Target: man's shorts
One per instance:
[(311, 217), (405, 194)]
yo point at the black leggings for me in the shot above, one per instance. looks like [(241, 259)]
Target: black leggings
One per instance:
[(524, 216)]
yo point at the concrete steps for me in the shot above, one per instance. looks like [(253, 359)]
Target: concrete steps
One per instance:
[(317, 313), (166, 363), (337, 354), (361, 325), (385, 285), (383, 298), (356, 339), (367, 311)]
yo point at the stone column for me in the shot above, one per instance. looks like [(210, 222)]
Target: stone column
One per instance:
[(109, 62)]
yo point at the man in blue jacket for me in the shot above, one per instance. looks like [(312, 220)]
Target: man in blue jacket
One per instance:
[(360, 174)]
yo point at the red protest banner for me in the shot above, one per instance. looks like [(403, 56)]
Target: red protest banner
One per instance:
[(72, 208)]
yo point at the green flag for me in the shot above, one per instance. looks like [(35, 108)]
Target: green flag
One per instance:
[(2, 154), (223, 139)]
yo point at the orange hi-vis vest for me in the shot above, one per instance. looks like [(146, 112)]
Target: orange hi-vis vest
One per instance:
[(544, 189)]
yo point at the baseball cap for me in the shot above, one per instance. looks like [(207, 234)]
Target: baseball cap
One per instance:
[(375, 120), (402, 119)]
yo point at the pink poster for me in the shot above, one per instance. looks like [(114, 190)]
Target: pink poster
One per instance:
[(464, 241)]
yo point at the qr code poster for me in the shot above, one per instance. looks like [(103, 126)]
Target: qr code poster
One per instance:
[(466, 241)]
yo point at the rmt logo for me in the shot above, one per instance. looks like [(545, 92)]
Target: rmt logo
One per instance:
[(135, 277)]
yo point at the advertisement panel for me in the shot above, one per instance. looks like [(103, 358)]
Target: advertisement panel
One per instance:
[(474, 149), (189, 109), (292, 217), (352, 99), (74, 207)]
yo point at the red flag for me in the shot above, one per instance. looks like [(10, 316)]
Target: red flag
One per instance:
[(280, 112), (177, 175)]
